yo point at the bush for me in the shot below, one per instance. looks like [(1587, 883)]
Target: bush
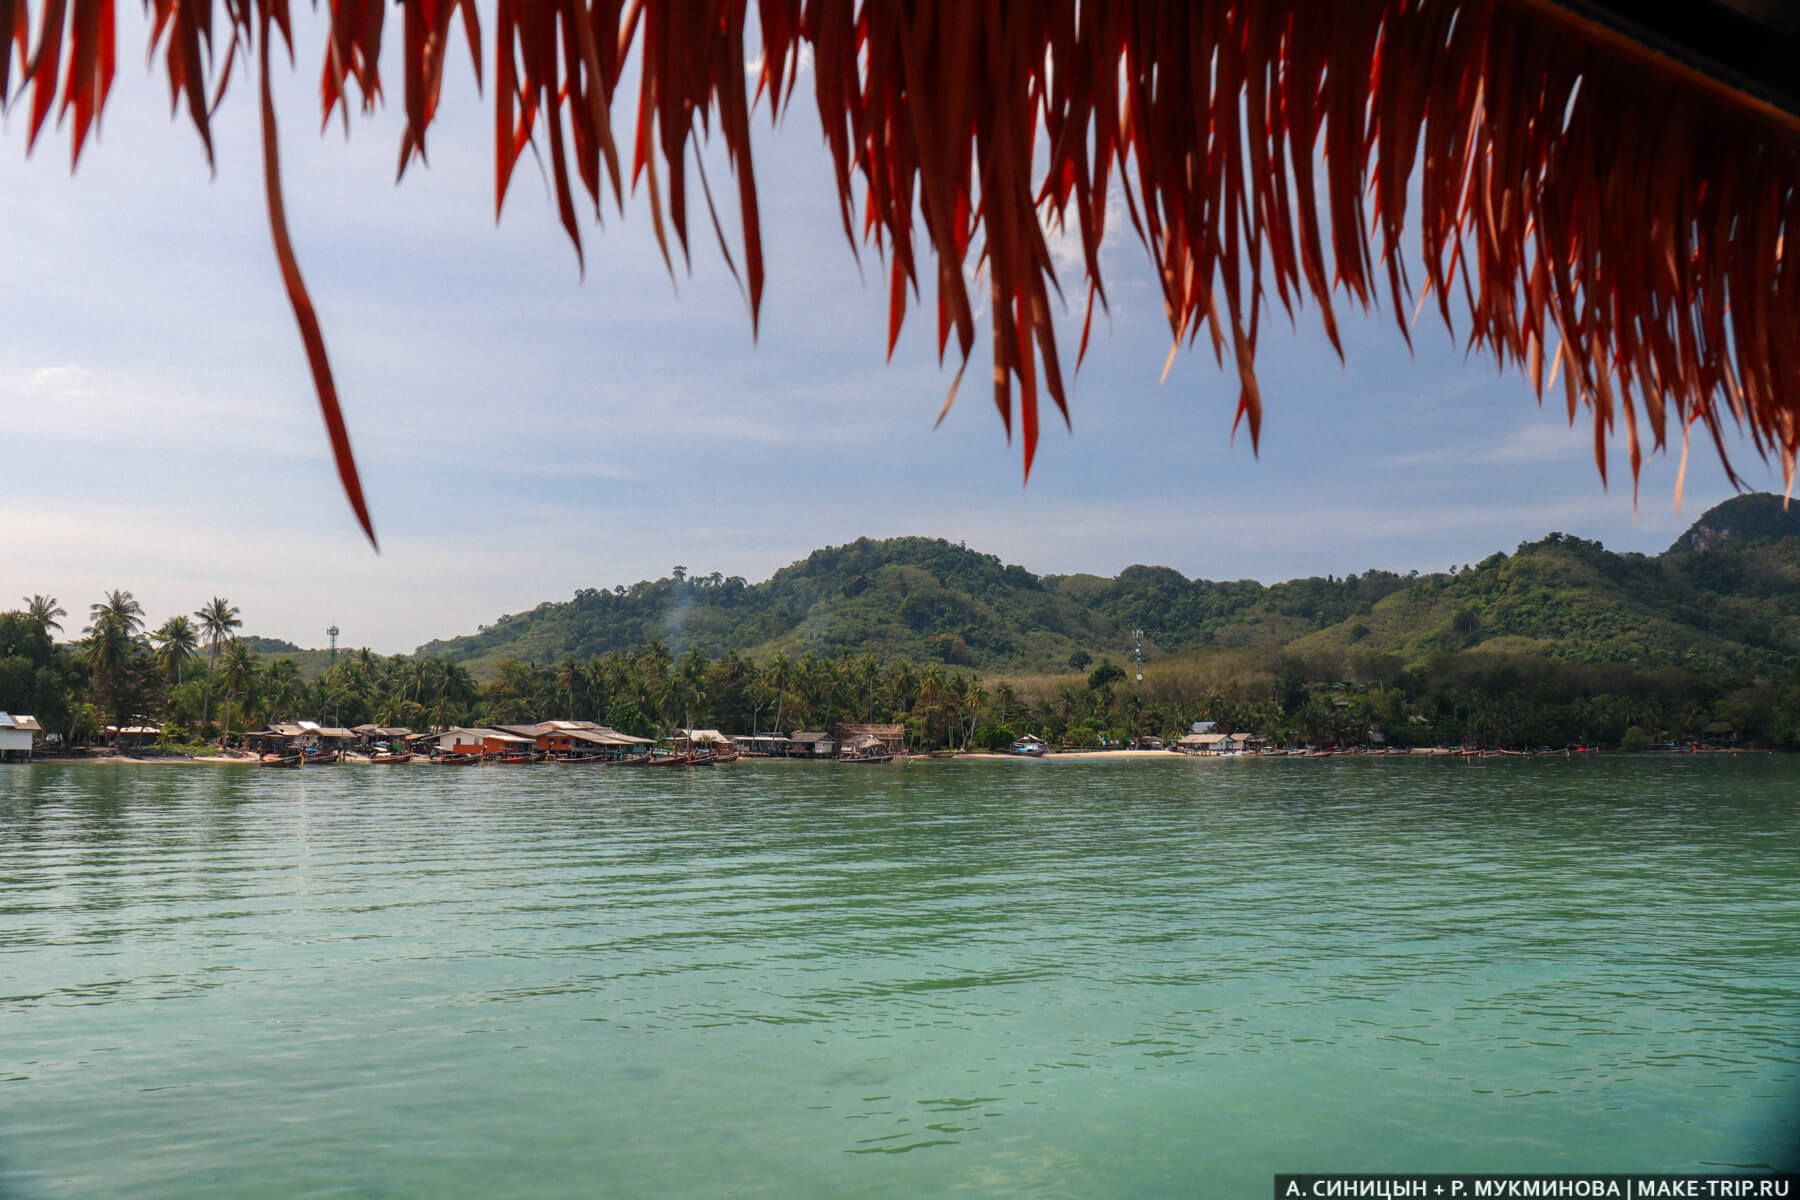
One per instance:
[(1636, 739), (993, 737)]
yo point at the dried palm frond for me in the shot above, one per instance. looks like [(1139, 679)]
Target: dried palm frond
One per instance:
[(1626, 222)]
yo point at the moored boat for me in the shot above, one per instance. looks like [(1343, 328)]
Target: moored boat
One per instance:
[(279, 760), (457, 760)]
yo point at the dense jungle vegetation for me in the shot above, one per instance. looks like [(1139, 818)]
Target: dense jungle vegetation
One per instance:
[(1560, 642)]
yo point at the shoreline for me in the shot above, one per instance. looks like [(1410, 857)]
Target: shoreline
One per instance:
[(228, 760)]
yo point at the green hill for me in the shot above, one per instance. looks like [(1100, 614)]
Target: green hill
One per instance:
[(1728, 610), (1758, 516), (1722, 599)]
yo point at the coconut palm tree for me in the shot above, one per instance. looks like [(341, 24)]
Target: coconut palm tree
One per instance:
[(775, 678), (217, 619), (238, 673), (43, 611), (282, 688), (176, 642), (112, 642)]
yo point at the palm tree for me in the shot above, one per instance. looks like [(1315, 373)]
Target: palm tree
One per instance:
[(238, 673), (218, 619), (282, 687), (776, 678), (43, 611), (570, 677), (112, 639), (176, 642)]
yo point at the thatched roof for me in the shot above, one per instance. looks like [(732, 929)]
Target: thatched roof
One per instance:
[(1610, 202)]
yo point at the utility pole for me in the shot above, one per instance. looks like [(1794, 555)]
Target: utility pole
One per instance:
[(332, 633)]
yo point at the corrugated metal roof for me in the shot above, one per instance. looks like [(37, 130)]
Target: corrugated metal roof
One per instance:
[(19, 721)]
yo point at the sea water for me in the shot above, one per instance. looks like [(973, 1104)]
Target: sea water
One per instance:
[(1172, 977)]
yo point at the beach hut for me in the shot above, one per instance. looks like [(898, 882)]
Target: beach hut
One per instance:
[(368, 736), (16, 733), (699, 739), (1217, 743), (131, 737), (892, 736), (333, 738), (812, 744), (863, 745)]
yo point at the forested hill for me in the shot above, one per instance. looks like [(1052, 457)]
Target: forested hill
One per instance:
[(1725, 597), (1756, 517)]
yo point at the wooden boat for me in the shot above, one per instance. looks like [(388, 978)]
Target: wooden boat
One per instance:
[(279, 760), (517, 760), (320, 758), (580, 760), (629, 760), (668, 760), (457, 760), (865, 758), (389, 759)]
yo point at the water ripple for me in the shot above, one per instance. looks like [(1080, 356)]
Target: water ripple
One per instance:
[(1088, 979)]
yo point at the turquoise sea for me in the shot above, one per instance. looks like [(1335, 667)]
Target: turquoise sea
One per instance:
[(1063, 979)]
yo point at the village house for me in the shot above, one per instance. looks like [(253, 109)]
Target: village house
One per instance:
[(460, 740), (892, 737), (578, 739), (131, 737), (763, 745), (368, 736), (695, 739), (16, 732), (1220, 743), (810, 744)]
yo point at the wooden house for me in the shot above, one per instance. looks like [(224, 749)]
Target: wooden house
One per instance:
[(891, 736), (16, 733), (811, 744)]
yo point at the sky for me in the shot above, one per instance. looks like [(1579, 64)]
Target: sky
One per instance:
[(526, 429)]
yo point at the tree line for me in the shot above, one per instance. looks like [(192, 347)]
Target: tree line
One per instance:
[(197, 678)]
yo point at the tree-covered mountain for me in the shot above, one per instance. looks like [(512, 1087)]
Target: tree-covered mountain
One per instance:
[(1757, 516), (922, 599), (1725, 597), (1731, 609)]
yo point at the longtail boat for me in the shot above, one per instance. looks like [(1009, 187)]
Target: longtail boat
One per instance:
[(320, 758), (580, 760), (279, 760), (669, 760), (384, 760), (457, 760)]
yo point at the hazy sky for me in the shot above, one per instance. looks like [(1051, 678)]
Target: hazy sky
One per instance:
[(524, 432)]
